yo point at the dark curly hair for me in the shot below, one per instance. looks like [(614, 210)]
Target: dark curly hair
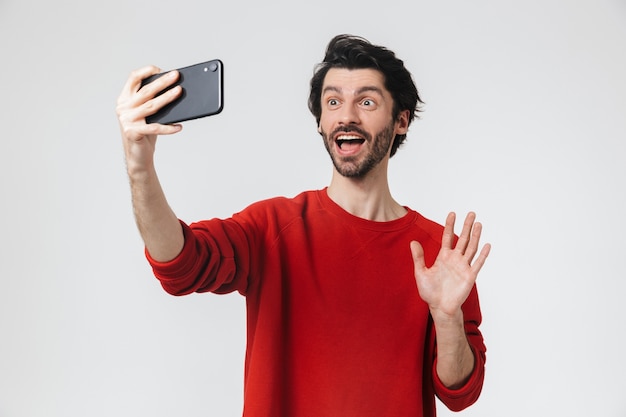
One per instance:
[(354, 52)]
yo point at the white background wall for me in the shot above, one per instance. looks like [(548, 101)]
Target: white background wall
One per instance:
[(525, 123)]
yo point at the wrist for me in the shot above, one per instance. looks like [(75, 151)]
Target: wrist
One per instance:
[(140, 170), (448, 319)]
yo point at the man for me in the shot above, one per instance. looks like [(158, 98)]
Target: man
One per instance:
[(356, 305)]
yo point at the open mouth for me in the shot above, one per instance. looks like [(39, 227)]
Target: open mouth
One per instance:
[(348, 141)]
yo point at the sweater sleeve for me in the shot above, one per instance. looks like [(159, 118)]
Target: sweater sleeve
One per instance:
[(461, 398), (215, 258)]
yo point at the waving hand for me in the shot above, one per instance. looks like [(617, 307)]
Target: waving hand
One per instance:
[(447, 283)]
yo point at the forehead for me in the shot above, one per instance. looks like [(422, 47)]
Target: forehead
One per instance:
[(353, 80)]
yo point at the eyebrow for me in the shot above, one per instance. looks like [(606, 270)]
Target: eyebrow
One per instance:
[(358, 92)]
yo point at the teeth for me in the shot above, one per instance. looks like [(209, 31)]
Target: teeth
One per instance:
[(341, 139)]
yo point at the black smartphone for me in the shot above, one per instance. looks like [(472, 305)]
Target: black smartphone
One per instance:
[(202, 94)]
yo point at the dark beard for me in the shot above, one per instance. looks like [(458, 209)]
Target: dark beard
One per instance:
[(351, 167)]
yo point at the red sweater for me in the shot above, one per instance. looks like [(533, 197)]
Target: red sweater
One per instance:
[(335, 324)]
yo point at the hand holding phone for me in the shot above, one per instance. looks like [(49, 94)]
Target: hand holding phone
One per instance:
[(202, 93)]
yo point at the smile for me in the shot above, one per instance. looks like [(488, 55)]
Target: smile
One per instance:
[(349, 140)]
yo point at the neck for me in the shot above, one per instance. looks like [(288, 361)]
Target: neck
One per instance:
[(368, 197)]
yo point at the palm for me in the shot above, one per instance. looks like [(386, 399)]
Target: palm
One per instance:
[(447, 283)]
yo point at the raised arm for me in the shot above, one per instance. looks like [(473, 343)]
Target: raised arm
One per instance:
[(445, 286), (158, 225)]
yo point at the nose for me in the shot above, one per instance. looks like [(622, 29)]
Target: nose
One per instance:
[(349, 115)]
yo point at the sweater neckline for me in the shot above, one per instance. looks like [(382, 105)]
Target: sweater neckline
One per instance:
[(381, 226)]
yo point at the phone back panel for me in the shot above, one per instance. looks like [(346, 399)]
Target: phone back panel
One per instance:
[(202, 93)]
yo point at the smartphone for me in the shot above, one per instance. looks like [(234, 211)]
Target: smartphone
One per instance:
[(202, 93)]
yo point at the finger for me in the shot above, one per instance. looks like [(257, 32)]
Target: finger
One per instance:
[(447, 239), (472, 246), (159, 129), (132, 113), (418, 256), (136, 77), (482, 257), (138, 131), (152, 106), (159, 84), (128, 101), (465, 235)]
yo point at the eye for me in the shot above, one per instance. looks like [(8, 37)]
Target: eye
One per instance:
[(333, 102), (369, 103)]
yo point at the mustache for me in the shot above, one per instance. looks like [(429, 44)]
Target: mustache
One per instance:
[(351, 129)]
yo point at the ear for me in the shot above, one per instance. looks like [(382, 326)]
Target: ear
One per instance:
[(402, 123)]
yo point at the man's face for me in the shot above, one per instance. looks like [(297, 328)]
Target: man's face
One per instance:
[(356, 121)]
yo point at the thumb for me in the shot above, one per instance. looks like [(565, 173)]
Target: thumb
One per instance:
[(418, 255)]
